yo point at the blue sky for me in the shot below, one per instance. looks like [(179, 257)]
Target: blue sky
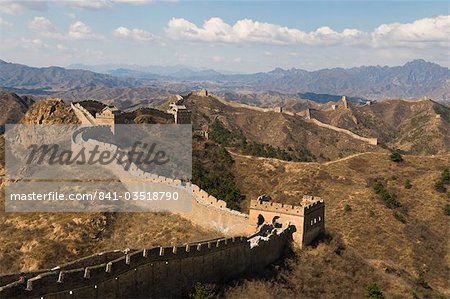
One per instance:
[(238, 36)]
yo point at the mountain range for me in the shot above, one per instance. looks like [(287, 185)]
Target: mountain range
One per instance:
[(415, 79)]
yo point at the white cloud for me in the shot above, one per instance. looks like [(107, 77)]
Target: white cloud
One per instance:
[(14, 7), (81, 31), (103, 4), (41, 24), (246, 30), (217, 58), (35, 43), (133, 2), (4, 23), (135, 34), (45, 28), (89, 4), (61, 47), (427, 30), (71, 15)]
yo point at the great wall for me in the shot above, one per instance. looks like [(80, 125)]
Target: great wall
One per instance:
[(306, 115), (252, 242)]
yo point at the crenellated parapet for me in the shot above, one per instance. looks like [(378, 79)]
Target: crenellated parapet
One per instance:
[(156, 272), (276, 207)]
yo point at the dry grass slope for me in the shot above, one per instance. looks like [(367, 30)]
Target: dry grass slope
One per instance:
[(398, 252)]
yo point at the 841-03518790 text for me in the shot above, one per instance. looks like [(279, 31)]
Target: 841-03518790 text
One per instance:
[(96, 195)]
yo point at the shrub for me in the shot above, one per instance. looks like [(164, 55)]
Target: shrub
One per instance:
[(443, 181), (408, 184), (422, 282), (389, 199), (347, 208), (374, 292), (440, 187), (203, 292), (447, 210), (400, 217), (445, 176), (396, 156)]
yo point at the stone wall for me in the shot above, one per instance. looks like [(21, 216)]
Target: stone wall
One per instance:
[(372, 141), (207, 211), (83, 115), (157, 272)]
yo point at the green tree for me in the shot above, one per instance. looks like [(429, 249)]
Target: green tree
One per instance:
[(447, 210), (203, 292), (446, 176), (408, 184), (422, 282), (440, 187), (396, 156), (347, 208), (374, 292)]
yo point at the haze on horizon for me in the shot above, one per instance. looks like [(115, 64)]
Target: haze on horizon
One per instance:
[(225, 36)]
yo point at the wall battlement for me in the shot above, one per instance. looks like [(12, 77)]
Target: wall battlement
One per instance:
[(276, 207), (158, 271)]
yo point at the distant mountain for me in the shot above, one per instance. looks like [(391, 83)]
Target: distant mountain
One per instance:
[(414, 79), (44, 80), (154, 71)]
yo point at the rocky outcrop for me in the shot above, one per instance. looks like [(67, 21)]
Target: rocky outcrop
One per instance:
[(51, 112)]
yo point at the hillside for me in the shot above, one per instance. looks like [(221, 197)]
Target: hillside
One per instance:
[(376, 246), (417, 127), (279, 130), (13, 107), (45, 240)]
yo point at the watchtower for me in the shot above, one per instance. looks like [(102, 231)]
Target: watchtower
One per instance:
[(180, 113), (107, 116), (308, 218)]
